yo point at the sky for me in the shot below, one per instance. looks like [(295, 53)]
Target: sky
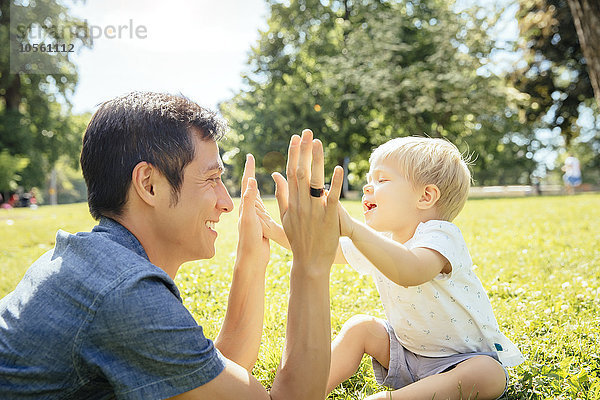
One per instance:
[(197, 48)]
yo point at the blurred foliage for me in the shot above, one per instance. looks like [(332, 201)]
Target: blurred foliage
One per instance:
[(70, 185), (553, 75), (361, 72), (10, 168), (35, 120)]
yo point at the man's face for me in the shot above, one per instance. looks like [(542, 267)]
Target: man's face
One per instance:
[(189, 226)]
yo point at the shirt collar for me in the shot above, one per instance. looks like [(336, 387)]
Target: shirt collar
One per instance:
[(121, 235)]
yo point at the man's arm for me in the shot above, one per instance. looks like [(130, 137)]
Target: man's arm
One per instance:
[(402, 266), (312, 227), (239, 338)]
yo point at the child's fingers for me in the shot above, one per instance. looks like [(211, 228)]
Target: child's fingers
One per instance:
[(260, 205), (263, 214), (281, 193)]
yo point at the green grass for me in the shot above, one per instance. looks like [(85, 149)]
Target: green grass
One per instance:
[(538, 258)]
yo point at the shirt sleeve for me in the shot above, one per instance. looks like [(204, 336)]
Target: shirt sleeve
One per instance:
[(146, 344), (445, 238), (355, 258)]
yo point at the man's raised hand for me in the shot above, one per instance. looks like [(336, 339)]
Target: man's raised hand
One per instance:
[(251, 239), (310, 223)]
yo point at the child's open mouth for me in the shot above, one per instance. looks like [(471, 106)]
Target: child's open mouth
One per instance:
[(369, 206)]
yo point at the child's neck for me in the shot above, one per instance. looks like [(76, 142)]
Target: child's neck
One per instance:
[(404, 234)]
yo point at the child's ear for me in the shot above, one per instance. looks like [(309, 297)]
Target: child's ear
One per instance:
[(429, 196)]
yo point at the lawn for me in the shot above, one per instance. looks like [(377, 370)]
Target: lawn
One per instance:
[(537, 257)]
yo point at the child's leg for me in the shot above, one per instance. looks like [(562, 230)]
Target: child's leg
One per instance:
[(360, 334), (480, 377)]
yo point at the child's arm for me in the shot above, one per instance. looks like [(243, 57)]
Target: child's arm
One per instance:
[(402, 266), (272, 230)]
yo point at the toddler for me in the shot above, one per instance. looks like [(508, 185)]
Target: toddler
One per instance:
[(440, 338)]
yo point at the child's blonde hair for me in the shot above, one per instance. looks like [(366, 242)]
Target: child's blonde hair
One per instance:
[(426, 161)]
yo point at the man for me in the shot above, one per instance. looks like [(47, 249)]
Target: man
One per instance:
[(100, 317)]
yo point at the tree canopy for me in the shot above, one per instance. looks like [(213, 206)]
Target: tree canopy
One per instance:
[(553, 74), (36, 126), (361, 72)]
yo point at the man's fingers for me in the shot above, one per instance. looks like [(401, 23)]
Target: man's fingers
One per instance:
[(336, 187), (317, 173), (303, 169), (293, 153), (249, 171), (281, 193), (292, 165), (250, 194)]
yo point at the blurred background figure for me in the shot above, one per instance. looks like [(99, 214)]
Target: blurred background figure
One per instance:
[(572, 176)]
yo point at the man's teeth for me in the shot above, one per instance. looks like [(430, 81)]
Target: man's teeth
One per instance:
[(210, 224)]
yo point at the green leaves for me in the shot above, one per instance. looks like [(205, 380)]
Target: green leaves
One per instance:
[(35, 120), (10, 169), (361, 73)]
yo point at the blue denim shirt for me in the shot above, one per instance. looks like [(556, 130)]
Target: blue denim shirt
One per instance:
[(94, 319)]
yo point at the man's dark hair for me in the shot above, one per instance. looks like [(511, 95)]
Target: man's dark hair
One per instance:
[(139, 126)]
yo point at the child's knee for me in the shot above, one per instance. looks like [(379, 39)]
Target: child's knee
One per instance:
[(369, 334), (365, 325), (487, 374)]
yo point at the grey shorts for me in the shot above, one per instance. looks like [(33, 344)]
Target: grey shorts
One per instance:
[(407, 367)]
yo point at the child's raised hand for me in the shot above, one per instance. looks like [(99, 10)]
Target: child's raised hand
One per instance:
[(271, 229), (346, 221)]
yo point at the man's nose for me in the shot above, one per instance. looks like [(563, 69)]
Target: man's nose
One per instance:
[(368, 189), (224, 201)]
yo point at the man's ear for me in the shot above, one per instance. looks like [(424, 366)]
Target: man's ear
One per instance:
[(143, 180), (430, 194)]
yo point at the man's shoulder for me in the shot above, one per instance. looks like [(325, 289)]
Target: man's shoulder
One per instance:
[(86, 265)]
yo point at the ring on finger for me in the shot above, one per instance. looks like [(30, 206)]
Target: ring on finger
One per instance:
[(316, 192)]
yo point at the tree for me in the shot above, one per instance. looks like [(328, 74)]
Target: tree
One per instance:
[(553, 71), (421, 65), (586, 15), (285, 91), (362, 72), (10, 167), (35, 121), (553, 75)]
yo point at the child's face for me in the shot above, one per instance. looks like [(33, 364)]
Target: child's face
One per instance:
[(389, 200)]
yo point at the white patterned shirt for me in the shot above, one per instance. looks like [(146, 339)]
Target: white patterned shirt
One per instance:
[(450, 314)]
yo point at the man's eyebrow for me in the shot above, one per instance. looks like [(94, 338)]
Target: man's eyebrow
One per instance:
[(217, 166)]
